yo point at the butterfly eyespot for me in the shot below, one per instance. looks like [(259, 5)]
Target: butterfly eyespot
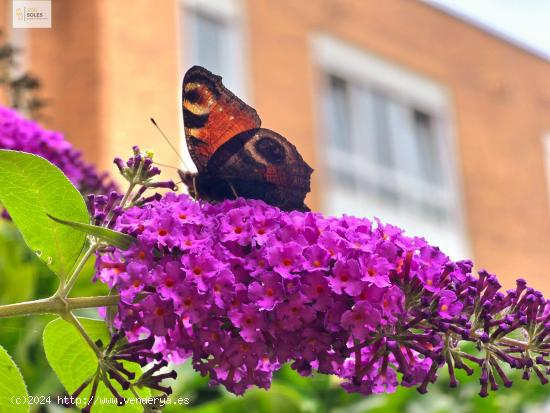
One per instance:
[(271, 150), (193, 96)]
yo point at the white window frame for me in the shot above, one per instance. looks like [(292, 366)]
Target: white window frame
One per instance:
[(231, 13), (333, 56)]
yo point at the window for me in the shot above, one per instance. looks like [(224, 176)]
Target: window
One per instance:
[(387, 149), (212, 37)]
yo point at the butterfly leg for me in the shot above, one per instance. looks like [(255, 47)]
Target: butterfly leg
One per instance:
[(195, 191), (233, 189)]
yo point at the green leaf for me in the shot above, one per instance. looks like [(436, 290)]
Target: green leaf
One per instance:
[(13, 392), (19, 273), (115, 238), (30, 188), (74, 361)]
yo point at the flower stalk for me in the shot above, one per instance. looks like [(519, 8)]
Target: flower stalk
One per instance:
[(67, 287)]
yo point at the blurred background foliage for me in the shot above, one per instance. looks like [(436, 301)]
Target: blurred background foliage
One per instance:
[(24, 277)]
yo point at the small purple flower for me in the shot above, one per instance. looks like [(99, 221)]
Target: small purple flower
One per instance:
[(200, 268), (317, 258), (316, 289), (249, 320), (285, 258), (133, 279), (294, 313), (376, 270), (223, 288), (448, 306), (158, 314), (362, 319), (268, 293), (235, 226), (346, 277), (167, 278)]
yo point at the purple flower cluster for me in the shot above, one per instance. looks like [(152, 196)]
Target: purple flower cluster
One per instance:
[(20, 134), (242, 287)]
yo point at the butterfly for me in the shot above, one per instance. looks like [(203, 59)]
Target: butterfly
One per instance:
[(234, 155)]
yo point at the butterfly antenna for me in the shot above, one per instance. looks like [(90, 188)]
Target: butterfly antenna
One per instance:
[(165, 166), (170, 143)]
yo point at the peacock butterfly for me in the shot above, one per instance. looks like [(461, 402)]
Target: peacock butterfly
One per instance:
[(234, 156)]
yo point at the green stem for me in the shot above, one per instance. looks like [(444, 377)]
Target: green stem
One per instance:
[(74, 276), (127, 195), (74, 321), (57, 305)]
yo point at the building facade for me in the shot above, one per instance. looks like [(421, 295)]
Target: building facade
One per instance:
[(405, 111)]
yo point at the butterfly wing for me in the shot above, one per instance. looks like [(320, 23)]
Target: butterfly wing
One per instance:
[(212, 115), (261, 164)]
